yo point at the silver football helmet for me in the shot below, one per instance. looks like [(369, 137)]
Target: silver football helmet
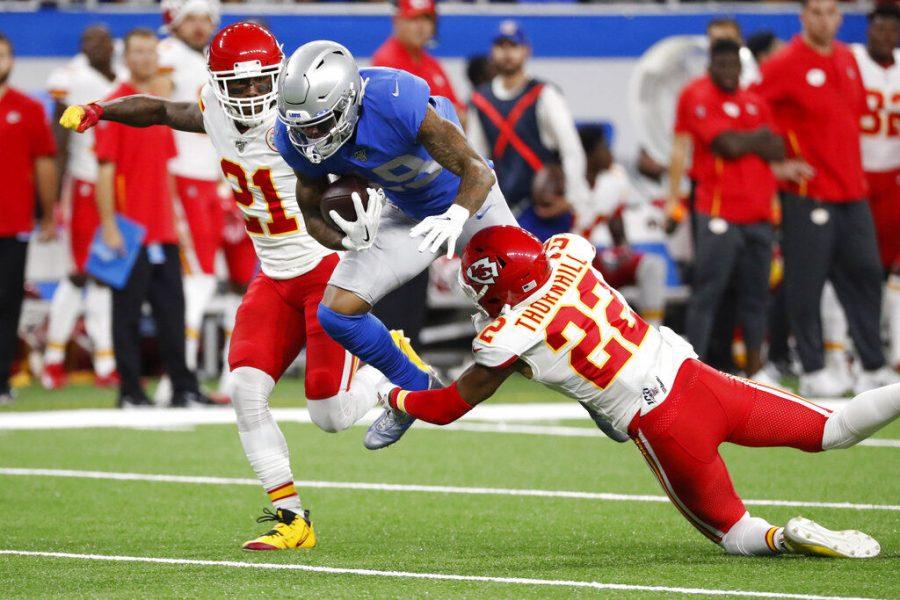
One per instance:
[(319, 94)]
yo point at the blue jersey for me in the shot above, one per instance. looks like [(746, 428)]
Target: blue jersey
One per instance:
[(384, 148)]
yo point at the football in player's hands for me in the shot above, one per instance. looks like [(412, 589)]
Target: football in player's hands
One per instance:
[(338, 197)]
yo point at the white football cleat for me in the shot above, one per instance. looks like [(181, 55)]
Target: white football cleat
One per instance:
[(803, 536)]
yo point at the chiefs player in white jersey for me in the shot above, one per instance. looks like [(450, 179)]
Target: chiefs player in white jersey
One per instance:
[(550, 316), (182, 59), (879, 65), (85, 78), (278, 313)]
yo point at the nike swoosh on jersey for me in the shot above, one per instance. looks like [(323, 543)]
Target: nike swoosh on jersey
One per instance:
[(484, 211), (396, 91)]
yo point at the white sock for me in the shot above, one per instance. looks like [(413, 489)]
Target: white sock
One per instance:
[(98, 322), (834, 322), (861, 417), (225, 382), (64, 310), (263, 442), (198, 291), (751, 536), (345, 408), (892, 310), (651, 282)]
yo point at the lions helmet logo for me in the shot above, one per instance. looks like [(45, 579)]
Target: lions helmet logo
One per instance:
[(483, 271)]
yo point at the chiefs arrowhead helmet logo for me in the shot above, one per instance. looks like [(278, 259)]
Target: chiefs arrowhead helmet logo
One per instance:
[(483, 271)]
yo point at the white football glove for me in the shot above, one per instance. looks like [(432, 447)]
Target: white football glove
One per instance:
[(441, 229), (360, 234)]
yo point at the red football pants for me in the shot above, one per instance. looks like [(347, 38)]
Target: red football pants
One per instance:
[(680, 439), (83, 222), (884, 199), (205, 216), (277, 317)]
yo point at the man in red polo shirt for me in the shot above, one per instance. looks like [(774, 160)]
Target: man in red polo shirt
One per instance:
[(814, 88), (414, 27), (731, 133), (28, 151), (133, 180)]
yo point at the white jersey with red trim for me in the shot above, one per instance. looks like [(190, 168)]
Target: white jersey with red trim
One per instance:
[(264, 188), (79, 83), (580, 337), (880, 125), (196, 157)]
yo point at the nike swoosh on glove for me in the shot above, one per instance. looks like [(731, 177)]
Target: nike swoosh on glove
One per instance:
[(360, 234), (441, 229)]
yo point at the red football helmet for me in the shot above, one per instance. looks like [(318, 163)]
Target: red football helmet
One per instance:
[(502, 266), (241, 51)]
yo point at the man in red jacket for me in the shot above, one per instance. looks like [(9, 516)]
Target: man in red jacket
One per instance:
[(815, 91)]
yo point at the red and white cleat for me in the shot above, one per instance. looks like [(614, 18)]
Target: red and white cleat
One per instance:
[(54, 377)]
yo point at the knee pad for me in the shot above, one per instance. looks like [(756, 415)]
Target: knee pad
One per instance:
[(250, 396)]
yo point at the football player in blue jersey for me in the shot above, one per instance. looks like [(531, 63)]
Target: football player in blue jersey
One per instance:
[(383, 125)]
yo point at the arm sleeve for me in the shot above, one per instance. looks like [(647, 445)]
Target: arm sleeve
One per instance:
[(106, 141), (439, 407), (410, 105), (41, 138), (558, 126)]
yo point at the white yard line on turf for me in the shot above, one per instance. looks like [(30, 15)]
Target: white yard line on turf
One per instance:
[(597, 585), (432, 489), (485, 418)]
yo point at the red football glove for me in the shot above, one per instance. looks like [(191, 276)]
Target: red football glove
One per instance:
[(81, 117)]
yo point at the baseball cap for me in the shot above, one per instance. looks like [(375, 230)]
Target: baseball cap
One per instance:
[(410, 9), (511, 31)]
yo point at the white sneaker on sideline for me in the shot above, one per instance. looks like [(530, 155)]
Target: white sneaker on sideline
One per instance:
[(763, 377), (870, 380), (822, 384)]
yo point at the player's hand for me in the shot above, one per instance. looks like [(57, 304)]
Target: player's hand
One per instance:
[(441, 229), (360, 234), (47, 231), (794, 170), (112, 238), (81, 117)]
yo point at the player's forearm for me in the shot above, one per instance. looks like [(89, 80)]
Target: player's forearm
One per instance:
[(309, 194), (475, 183), (61, 135), (762, 142), (47, 183), (439, 407), (677, 164), (104, 193), (145, 111)]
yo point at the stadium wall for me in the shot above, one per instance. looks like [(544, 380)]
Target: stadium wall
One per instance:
[(588, 51)]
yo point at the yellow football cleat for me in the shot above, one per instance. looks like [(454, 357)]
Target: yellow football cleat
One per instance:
[(402, 342), (803, 536), (291, 531), (72, 116)]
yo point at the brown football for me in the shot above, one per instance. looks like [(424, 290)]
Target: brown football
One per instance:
[(337, 197)]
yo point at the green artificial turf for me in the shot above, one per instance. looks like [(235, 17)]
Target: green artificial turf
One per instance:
[(625, 542)]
